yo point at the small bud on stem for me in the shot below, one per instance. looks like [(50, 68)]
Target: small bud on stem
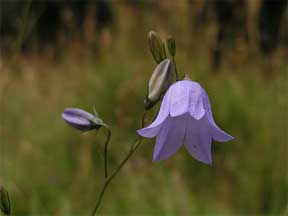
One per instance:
[(159, 82), (156, 46), (171, 45), (81, 120)]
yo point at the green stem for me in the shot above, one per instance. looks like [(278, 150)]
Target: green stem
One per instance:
[(106, 152), (143, 119), (109, 179), (176, 72), (164, 52)]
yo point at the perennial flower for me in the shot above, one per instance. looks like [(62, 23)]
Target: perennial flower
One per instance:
[(185, 116)]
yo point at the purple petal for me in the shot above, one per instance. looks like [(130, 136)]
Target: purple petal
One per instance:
[(217, 134), (220, 135), (196, 108), (179, 98), (77, 122), (186, 96), (153, 129), (170, 137), (78, 112), (198, 139), (78, 118)]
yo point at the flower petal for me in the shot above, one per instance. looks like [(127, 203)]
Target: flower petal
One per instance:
[(179, 98), (196, 108), (170, 137), (220, 135), (153, 129), (76, 121), (78, 112), (186, 96), (198, 139), (217, 134)]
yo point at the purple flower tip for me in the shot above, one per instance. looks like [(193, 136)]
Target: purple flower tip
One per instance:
[(185, 116), (80, 119)]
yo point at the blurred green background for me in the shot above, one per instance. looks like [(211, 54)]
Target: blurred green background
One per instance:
[(50, 169)]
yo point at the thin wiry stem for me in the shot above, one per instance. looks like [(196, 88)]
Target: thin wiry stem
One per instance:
[(108, 179), (106, 152), (143, 119), (164, 51), (176, 72)]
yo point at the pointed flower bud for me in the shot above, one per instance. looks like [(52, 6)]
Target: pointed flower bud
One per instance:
[(159, 82), (171, 45), (156, 46), (81, 120), (4, 201)]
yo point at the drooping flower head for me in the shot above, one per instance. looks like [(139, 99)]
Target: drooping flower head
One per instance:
[(185, 116), (81, 119)]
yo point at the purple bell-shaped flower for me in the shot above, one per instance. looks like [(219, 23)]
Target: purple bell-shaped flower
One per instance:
[(185, 116)]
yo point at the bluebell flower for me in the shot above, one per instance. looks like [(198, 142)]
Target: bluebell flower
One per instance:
[(185, 116)]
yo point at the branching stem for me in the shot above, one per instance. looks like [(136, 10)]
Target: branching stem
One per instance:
[(113, 175), (108, 178)]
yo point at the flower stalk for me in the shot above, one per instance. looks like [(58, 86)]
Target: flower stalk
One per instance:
[(106, 152), (108, 178), (175, 67)]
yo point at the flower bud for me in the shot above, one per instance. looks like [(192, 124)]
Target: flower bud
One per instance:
[(4, 201), (81, 120), (159, 82), (171, 45), (156, 46)]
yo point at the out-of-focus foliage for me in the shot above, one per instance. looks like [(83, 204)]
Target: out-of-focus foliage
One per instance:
[(49, 168), (4, 201)]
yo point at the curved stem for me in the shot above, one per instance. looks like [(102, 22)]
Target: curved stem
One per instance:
[(109, 179), (106, 152)]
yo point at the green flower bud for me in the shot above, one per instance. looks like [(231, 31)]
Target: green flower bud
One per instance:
[(156, 46), (171, 45), (159, 82), (4, 201)]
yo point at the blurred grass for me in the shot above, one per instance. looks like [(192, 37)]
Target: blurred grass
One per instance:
[(49, 168)]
